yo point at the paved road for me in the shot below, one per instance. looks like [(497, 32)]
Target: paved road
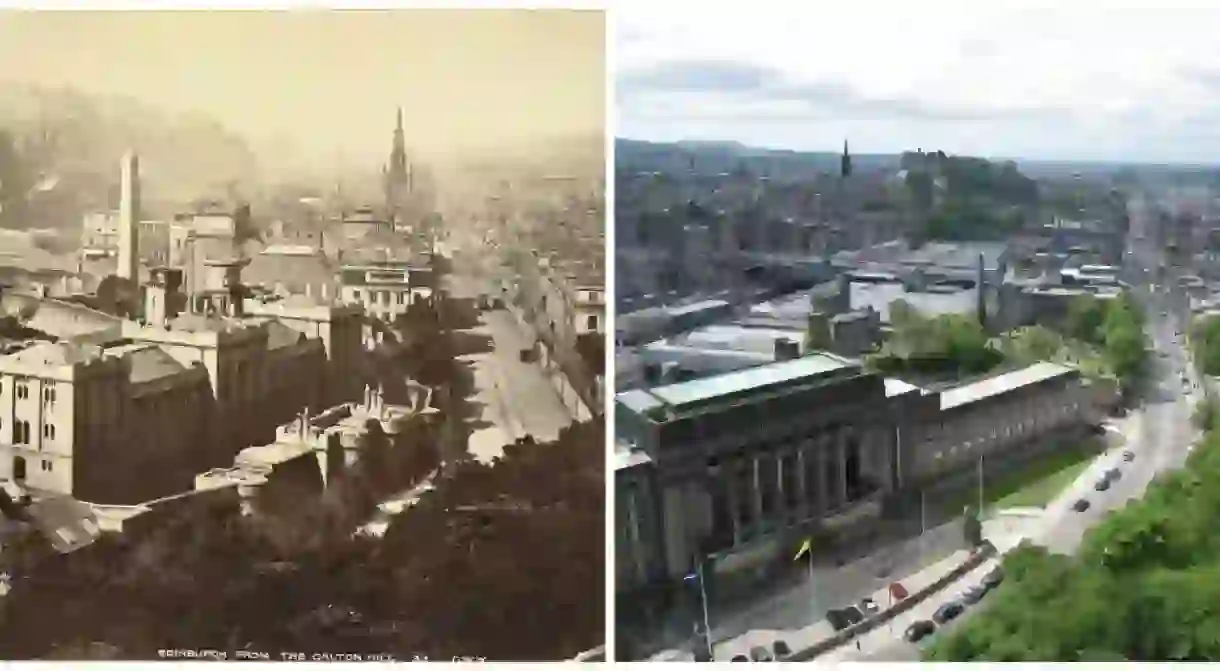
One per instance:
[(515, 398), (1160, 433)]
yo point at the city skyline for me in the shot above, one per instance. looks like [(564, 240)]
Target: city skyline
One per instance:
[(1035, 84)]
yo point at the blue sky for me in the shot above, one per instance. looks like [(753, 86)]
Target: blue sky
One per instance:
[(1086, 82)]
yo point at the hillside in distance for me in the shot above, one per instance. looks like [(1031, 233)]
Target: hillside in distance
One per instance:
[(710, 158), (67, 146)]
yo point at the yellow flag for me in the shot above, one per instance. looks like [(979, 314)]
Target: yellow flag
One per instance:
[(806, 547)]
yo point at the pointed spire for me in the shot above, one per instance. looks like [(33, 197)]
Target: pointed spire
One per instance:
[(845, 162), (398, 124)]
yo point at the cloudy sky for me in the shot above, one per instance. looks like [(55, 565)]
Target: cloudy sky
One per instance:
[(1092, 83)]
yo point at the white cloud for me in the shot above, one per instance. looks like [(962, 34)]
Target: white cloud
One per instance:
[(1084, 81)]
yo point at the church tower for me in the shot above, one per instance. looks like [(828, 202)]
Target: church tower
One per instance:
[(845, 162), (398, 177)]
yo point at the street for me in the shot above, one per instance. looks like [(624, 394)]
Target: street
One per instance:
[(1160, 432), (514, 398)]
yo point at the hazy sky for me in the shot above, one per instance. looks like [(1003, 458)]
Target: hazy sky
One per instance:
[(331, 81), (1083, 82)]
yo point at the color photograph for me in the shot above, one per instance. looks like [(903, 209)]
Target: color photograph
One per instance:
[(914, 321)]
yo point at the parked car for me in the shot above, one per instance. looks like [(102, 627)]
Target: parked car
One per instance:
[(919, 630), (947, 612), (761, 654), (898, 592), (853, 615), (781, 649), (838, 619), (868, 607), (974, 595), (1081, 505), (1102, 485), (993, 578), (740, 658)]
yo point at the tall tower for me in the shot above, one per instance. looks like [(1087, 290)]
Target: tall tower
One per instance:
[(129, 219), (845, 162), (398, 179)]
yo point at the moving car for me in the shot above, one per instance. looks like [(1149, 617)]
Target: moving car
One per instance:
[(919, 630), (1114, 475), (868, 607), (781, 649), (1128, 455), (1081, 505), (1101, 485), (740, 658), (947, 612)]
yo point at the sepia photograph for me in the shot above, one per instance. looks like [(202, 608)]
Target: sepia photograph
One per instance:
[(303, 331), (914, 320)]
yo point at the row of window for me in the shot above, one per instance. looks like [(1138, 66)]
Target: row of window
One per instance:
[(1007, 432), (21, 432), (21, 389), (383, 297)]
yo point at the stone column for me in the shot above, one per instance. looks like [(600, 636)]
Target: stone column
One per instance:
[(729, 475), (802, 487), (757, 494), (841, 456), (823, 484)]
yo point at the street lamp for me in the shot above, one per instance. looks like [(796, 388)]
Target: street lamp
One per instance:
[(697, 576)]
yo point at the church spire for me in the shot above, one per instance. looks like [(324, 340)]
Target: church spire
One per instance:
[(845, 162)]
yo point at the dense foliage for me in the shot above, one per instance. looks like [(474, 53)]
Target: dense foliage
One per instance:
[(942, 344), (503, 561), (1145, 585), (1116, 327)]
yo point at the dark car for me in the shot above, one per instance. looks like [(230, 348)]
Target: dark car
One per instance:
[(973, 595), (1081, 505), (837, 619), (919, 630), (993, 578), (868, 607), (761, 654), (1128, 456), (1114, 475), (853, 615), (1102, 484), (781, 649), (740, 658), (947, 612)]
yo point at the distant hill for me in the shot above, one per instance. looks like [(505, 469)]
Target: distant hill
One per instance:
[(721, 157), (70, 142)]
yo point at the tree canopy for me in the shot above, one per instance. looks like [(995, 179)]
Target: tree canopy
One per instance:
[(1145, 585), (944, 343), (503, 561)]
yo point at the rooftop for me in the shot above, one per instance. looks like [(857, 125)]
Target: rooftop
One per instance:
[(149, 362), (760, 378), (1001, 384)]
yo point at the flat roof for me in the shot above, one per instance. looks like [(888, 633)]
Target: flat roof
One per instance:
[(705, 389), (1001, 384)]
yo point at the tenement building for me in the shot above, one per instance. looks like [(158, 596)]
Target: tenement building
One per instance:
[(736, 469)]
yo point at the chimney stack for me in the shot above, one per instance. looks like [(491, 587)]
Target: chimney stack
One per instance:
[(129, 219)]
